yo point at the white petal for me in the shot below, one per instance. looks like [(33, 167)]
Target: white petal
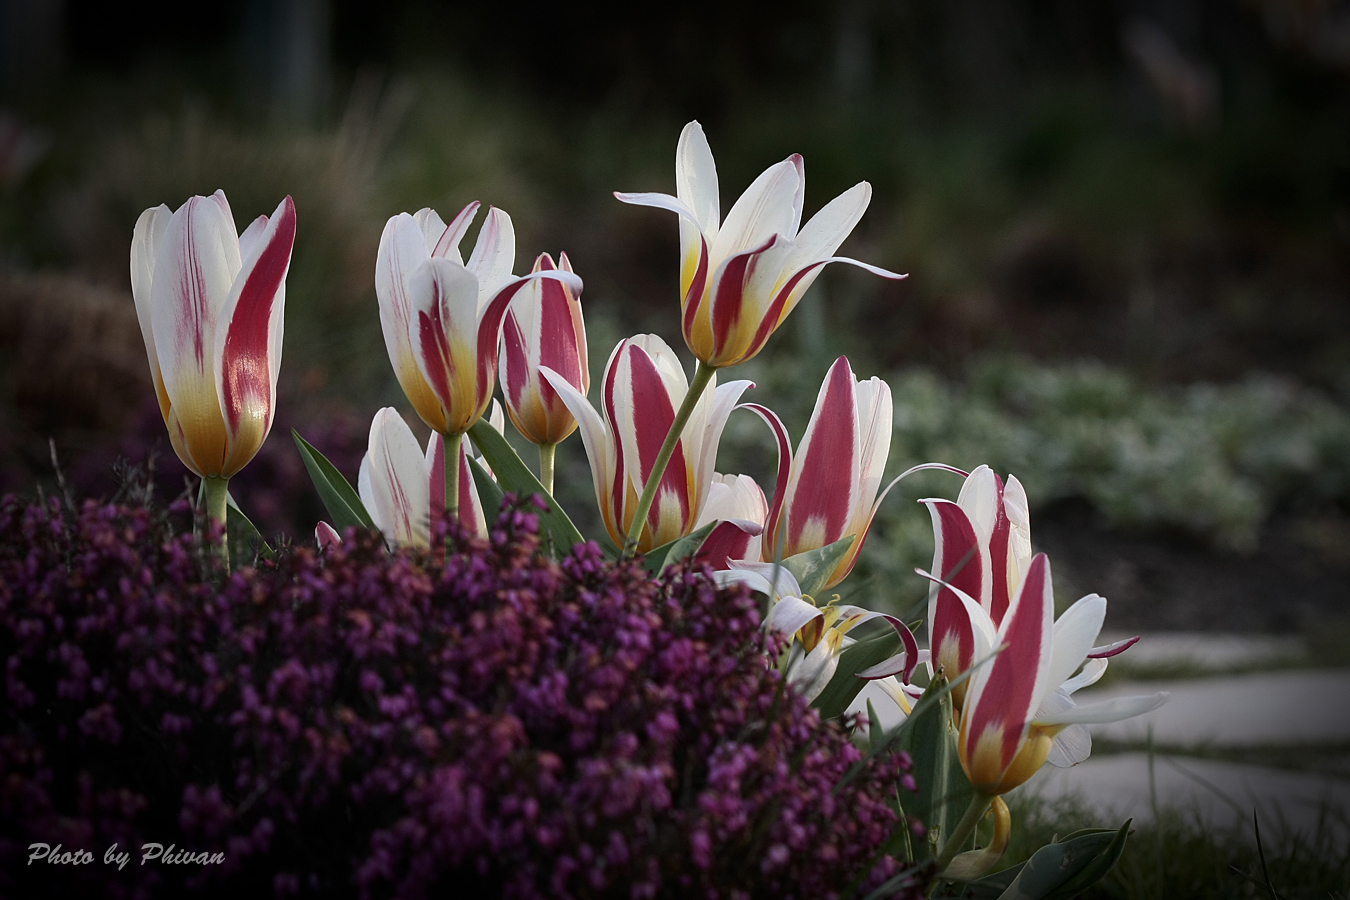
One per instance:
[(979, 499), (789, 615), (1093, 670), (772, 573), (432, 226), (494, 255), (814, 672), (1071, 746), (696, 179), (765, 209), (828, 228), (1073, 636), (1106, 711), (145, 243)]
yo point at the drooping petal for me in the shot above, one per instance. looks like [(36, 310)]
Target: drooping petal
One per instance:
[(1113, 649), (813, 673), (782, 581), (247, 351), (1106, 711)]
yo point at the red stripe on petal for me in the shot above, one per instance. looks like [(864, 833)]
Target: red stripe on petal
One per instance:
[(729, 540), (729, 296), (247, 373), (517, 361), (956, 560), (693, 300), (1008, 699), (489, 336), (771, 316), (998, 556), (437, 480), (618, 490), (557, 338), (654, 414), (468, 519), (823, 486)]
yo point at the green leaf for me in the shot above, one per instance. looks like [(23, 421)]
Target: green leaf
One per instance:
[(513, 475), (490, 493), (875, 733), (943, 792), (813, 568), (246, 542), (342, 502), (844, 686), (1065, 869), (672, 552)]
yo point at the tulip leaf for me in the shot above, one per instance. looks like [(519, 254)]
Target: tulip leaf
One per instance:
[(1062, 870), (672, 552), (513, 475), (875, 732), (845, 685), (490, 493), (245, 539), (813, 568), (342, 502), (942, 791)]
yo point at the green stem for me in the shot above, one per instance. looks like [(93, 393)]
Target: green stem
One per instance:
[(702, 376), (546, 452), (216, 491), (452, 444), (979, 805)]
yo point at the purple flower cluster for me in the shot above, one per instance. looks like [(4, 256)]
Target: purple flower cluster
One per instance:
[(368, 724)]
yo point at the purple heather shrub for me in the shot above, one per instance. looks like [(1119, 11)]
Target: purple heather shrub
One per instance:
[(371, 724)]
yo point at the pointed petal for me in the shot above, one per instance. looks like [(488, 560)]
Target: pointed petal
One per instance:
[(247, 351), (659, 201), (828, 228), (822, 488), (705, 442), (765, 209), (789, 615), (815, 670), (696, 178), (326, 537), (494, 255), (1113, 649), (432, 226), (395, 481), (402, 250), (145, 243), (959, 564), (784, 582), (1073, 635), (447, 244), (780, 434), (1106, 710)]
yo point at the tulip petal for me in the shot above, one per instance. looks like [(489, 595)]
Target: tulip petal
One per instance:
[(816, 509), (779, 577), (830, 226), (402, 250), (248, 342), (1073, 635), (326, 537), (145, 244), (195, 267), (657, 200), (784, 472), (1093, 670), (494, 255), (789, 615), (765, 209), (706, 439), (394, 484), (642, 398), (813, 673), (1113, 649), (600, 449), (1106, 711), (729, 539), (1071, 746), (447, 243), (444, 337), (435, 460), (1005, 694), (696, 179)]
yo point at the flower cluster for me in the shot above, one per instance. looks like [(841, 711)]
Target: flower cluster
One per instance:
[(374, 724)]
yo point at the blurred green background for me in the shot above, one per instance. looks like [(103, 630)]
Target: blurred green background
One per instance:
[(1126, 224)]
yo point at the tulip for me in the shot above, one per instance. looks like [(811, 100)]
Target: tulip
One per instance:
[(827, 491), (643, 386), (982, 546), (543, 327), (740, 278), (442, 318), (1019, 712), (403, 488), (210, 303), (817, 636)]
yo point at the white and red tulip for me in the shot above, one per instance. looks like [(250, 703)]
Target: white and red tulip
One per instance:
[(740, 278), (210, 303), (543, 327), (981, 547), (1018, 712), (403, 488), (818, 635), (643, 387), (442, 317), (829, 489)]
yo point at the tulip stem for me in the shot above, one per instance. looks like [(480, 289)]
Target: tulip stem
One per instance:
[(702, 376), (546, 466), (217, 492), (452, 445), (979, 805)]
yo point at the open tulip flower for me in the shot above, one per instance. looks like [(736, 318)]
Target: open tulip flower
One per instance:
[(1019, 712), (818, 635), (403, 488), (210, 303), (643, 386), (740, 278), (828, 489)]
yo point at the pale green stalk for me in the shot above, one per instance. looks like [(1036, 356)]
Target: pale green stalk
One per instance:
[(702, 376), (452, 444), (216, 492), (546, 453), (979, 805)]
